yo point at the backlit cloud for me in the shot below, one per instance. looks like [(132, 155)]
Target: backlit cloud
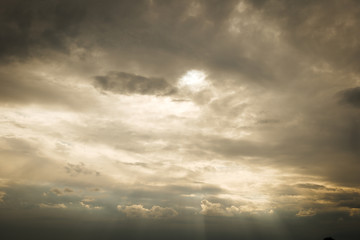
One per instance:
[(150, 119)]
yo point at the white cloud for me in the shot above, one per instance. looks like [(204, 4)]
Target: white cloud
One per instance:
[(306, 213), (45, 205), (213, 209), (156, 212), (86, 203), (217, 209)]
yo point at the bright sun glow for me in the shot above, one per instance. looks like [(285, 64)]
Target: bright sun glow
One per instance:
[(193, 80)]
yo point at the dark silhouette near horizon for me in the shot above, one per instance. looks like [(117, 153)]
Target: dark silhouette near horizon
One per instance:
[(329, 238)]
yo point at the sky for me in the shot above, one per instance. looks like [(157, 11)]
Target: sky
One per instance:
[(170, 119)]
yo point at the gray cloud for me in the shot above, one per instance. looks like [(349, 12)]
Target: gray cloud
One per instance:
[(126, 83), (324, 32), (76, 169), (311, 186), (28, 26), (56, 191), (265, 151), (44, 205), (68, 190), (352, 96), (60, 192)]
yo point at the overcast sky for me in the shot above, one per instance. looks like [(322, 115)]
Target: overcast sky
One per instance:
[(179, 119)]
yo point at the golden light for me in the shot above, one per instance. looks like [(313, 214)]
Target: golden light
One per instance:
[(194, 80)]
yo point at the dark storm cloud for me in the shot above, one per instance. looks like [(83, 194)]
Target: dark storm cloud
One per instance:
[(126, 83), (326, 32), (177, 34), (29, 25), (352, 96)]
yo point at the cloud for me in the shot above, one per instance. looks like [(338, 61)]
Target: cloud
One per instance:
[(89, 204), (2, 195), (60, 192), (217, 209), (306, 213), (26, 27), (155, 212), (354, 212), (45, 205), (26, 87), (352, 96), (77, 169), (336, 43), (311, 186), (68, 190), (89, 87), (126, 83), (56, 191), (213, 209)]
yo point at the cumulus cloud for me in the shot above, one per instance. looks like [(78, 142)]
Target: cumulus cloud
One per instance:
[(68, 190), (56, 191), (306, 213), (46, 205), (213, 209), (217, 209), (90, 204), (155, 212), (60, 192)]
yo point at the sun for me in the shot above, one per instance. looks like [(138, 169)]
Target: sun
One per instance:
[(194, 80)]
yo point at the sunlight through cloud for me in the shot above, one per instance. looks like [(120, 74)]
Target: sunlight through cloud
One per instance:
[(194, 80)]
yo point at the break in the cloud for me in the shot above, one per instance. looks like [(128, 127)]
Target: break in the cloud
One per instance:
[(182, 119)]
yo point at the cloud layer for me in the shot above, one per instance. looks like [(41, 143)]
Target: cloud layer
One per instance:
[(179, 119)]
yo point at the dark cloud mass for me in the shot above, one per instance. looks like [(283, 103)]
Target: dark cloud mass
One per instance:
[(325, 32), (126, 83), (170, 119), (30, 25), (352, 96)]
